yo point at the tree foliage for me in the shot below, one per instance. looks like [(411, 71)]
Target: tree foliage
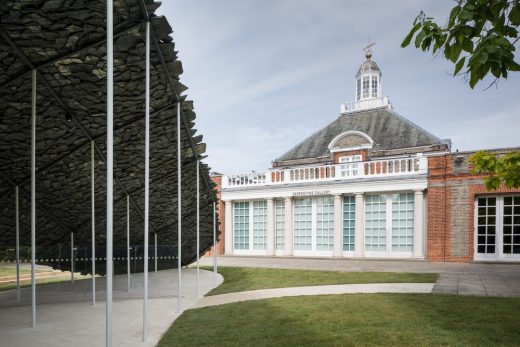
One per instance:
[(499, 169), (479, 38)]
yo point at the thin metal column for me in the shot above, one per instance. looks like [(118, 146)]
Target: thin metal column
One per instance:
[(146, 179), (71, 257), (110, 167), (33, 200), (214, 244), (198, 227), (93, 212), (17, 214), (128, 242), (155, 253), (179, 207)]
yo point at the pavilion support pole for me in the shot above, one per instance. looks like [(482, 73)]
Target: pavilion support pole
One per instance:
[(146, 180), (110, 168), (17, 216), (93, 217), (214, 244), (179, 208), (128, 243), (198, 227), (71, 257), (155, 253), (33, 200)]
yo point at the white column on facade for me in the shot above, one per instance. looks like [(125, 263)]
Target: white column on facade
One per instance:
[(418, 224), (228, 231), (359, 250), (338, 226), (270, 226), (288, 234)]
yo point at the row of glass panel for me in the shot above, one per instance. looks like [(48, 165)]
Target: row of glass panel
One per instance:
[(313, 223), (498, 225)]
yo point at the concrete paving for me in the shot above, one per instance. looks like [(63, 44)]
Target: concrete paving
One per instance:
[(66, 317), (315, 290), (486, 279)]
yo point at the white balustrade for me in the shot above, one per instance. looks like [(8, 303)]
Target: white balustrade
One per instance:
[(336, 172), (365, 105)]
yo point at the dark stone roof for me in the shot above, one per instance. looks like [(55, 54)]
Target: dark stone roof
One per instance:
[(388, 130), (65, 41)]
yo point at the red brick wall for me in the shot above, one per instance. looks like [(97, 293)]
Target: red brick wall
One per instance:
[(220, 211), (446, 180)]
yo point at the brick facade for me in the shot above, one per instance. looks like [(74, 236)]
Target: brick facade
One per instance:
[(452, 190)]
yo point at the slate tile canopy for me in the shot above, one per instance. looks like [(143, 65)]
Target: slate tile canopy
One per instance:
[(387, 129), (65, 41)]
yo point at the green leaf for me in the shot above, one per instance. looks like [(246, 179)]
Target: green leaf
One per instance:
[(453, 14), (408, 37), (459, 65), (455, 52), (467, 45), (514, 15), (419, 38), (514, 66)]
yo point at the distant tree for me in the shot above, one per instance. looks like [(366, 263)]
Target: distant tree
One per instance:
[(479, 38)]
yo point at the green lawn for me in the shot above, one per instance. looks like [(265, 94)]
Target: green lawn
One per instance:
[(11, 271), (239, 279), (353, 320)]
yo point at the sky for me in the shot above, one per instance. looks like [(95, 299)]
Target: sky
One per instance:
[(264, 75)]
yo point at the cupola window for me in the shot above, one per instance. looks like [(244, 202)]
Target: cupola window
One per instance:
[(358, 90), (374, 87), (365, 86)]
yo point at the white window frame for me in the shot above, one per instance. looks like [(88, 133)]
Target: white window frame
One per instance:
[(250, 250), (349, 165), (348, 253), (499, 232), (388, 253), (313, 251), (279, 219)]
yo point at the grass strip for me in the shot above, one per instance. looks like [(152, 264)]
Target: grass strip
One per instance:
[(352, 320), (239, 279)]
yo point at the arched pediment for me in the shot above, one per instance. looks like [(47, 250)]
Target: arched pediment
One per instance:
[(350, 140)]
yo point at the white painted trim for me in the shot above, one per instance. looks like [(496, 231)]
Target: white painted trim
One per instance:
[(350, 132)]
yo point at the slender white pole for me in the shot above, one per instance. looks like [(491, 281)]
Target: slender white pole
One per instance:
[(146, 179), (155, 252), (179, 207), (110, 167), (214, 244), (17, 211), (128, 242), (198, 228), (93, 213), (71, 257), (33, 201)]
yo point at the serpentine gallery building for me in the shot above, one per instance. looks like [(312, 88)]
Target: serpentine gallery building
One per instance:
[(371, 184)]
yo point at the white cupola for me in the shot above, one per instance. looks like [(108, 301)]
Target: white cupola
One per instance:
[(368, 79), (368, 87)]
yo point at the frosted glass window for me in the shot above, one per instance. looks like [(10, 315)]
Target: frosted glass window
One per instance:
[(402, 222), (241, 225), (280, 223), (303, 224), (324, 223), (259, 224), (349, 223), (375, 223)]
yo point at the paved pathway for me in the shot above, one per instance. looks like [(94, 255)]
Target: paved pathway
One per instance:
[(488, 279), (65, 315), (315, 290)]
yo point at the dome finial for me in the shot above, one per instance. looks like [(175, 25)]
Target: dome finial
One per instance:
[(368, 50)]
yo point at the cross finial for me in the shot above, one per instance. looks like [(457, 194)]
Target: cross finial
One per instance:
[(368, 49)]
